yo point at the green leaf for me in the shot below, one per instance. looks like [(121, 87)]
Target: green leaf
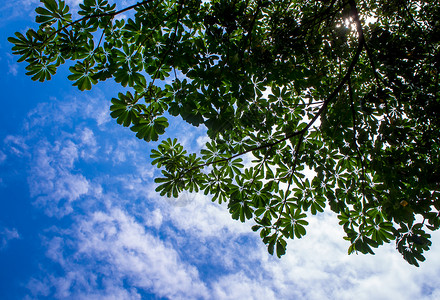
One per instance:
[(298, 117)]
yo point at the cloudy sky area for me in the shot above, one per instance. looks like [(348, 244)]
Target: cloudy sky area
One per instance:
[(79, 218)]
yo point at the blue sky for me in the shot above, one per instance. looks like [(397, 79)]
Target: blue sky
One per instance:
[(79, 218)]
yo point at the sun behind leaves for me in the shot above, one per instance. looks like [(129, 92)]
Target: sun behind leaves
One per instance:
[(334, 110)]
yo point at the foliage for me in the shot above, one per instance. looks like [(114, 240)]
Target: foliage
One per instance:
[(336, 103)]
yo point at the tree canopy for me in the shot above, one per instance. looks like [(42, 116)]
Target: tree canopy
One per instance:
[(307, 104)]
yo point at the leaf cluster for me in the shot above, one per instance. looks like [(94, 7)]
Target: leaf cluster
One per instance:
[(334, 110)]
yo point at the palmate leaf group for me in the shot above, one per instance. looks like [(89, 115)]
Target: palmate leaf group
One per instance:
[(335, 103)]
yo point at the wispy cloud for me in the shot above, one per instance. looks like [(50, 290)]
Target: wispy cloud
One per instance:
[(6, 235), (136, 242), (53, 145), (318, 267), (111, 251), (72, 109), (13, 69), (54, 180), (16, 145)]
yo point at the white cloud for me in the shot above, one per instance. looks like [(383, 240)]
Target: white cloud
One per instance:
[(63, 112), (52, 181), (97, 108), (205, 234), (7, 235), (239, 286), (57, 199), (318, 267), (111, 255), (73, 3), (126, 149), (55, 142), (203, 218), (154, 218), (202, 140), (16, 145), (87, 139), (13, 69), (117, 249)]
